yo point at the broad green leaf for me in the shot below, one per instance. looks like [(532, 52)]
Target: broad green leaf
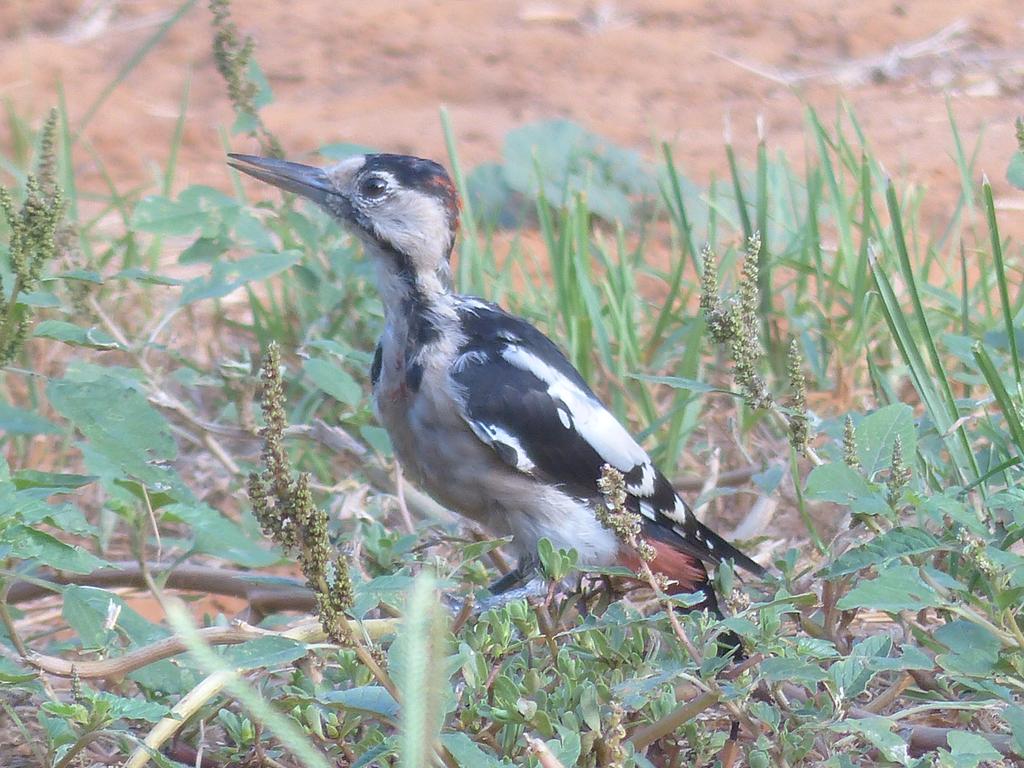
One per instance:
[(30, 544), (263, 652), (196, 207), (228, 276), (679, 382), (877, 731), (42, 299), (12, 674), (369, 699), (973, 650), (84, 275), (877, 432), (969, 750), (121, 427), (58, 482), (883, 548), (840, 484), (204, 250), (572, 160), (217, 535), (142, 276), (1014, 716), (132, 709), (22, 421), (939, 506), (69, 333), (334, 380), (852, 674), (776, 670), (896, 588), (88, 609), (469, 754)]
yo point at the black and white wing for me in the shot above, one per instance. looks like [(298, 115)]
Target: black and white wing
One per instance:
[(522, 397)]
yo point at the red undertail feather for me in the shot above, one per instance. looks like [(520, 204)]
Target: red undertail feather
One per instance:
[(686, 571)]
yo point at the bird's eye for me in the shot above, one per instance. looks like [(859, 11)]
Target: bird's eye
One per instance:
[(373, 187)]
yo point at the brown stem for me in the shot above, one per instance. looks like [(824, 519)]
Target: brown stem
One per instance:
[(264, 595), (649, 734), (172, 646)]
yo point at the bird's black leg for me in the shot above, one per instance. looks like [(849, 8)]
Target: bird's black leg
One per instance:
[(521, 583), (525, 568)]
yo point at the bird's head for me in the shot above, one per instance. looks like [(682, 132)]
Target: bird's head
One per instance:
[(405, 209)]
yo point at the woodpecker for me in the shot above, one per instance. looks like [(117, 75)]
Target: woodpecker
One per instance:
[(484, 411)]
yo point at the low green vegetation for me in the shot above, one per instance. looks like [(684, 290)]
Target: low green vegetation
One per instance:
[(797, 324)]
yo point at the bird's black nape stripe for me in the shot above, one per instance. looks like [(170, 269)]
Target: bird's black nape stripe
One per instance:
[(411, 172)]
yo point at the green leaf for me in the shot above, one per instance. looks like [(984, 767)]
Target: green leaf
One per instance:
[(882, 549), (132, 709), (11, 674), (367, 699), (31, 544), (263, 652), (84, 275), (570, 159), (877, 731), (896, 588), (1014, 717), (197, 207), (58, 481), (852, 674), (334, 380), (142, 276), (43, 299), (217, 535), (840, 484), (969, 750), (69, 333), (121, 425), (87, 609), (680, 382), (877, 432), (1015, 170), (973, 650), (468, 754), (939, 506), (21, 421), (228, 276), (781, 669)]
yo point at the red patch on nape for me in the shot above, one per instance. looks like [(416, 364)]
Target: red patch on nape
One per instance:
[(686, 571), (446, 190)]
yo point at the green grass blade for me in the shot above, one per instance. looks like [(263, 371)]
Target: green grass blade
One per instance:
[(995, 381), (1004, 294), (737, 188), (176, 139)]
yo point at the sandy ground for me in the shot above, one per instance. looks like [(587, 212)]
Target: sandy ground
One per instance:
[(637, 72)]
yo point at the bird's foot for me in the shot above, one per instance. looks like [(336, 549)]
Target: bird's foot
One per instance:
[(462, 606), (524, 570)]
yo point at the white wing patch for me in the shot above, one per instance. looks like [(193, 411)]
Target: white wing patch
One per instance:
[(504, 443), (646, 484), (593, 422)]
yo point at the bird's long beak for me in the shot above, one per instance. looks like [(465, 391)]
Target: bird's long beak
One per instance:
[(305, 180)]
